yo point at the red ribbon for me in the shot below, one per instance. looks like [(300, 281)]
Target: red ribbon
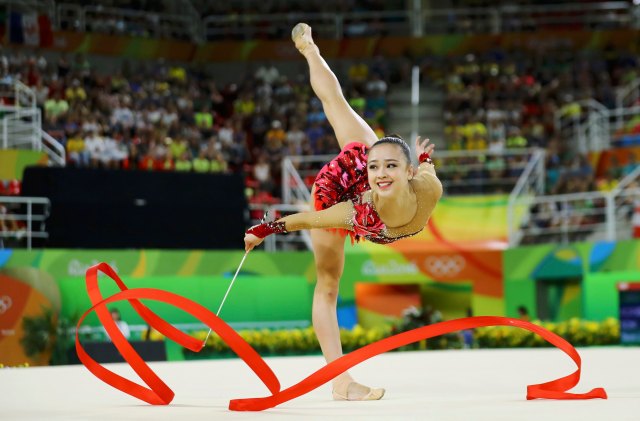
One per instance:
[(158, 393)]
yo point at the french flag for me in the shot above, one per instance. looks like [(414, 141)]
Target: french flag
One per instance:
[(30, 29)]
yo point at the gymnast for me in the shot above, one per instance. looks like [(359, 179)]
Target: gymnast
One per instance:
[(369, 191)]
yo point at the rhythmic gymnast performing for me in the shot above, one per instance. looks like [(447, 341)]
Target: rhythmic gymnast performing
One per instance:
[(369, 191)]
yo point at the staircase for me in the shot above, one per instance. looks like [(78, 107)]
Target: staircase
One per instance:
[(428, 114), (20, 124)]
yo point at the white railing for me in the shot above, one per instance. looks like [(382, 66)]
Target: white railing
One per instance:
[(589, 130), (526, 181), (629, 95), (530, 183), (55, 151), (473, 172), (294, 189), (564, 218), (574, 217), (17, 94), (618, 119), (21, 128), (28, 214), (21, 124)]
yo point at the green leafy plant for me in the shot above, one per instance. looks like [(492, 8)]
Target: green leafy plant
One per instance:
[(45, 333), (304, 341), (39, 333), (575, 331)]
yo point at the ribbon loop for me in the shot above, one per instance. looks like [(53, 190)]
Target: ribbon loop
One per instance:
[(158, 393)]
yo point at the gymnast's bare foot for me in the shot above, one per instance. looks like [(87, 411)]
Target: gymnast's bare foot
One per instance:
[(301, 36)]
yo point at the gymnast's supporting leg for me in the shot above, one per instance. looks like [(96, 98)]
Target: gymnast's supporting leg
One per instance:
[(347, 124), (328, 251)]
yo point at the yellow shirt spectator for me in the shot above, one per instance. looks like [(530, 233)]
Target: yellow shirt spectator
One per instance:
[(178, 73), (245, 106), (75, 93), (75, 144), (358, 72)]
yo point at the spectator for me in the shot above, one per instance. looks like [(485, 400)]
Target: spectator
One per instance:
[(294, 139), (201, 164), (267, 73), (218, 163), (523, 314), (123, 326), (95, 146), (184, 163), (56, 107), (262, 173), (76, 151)]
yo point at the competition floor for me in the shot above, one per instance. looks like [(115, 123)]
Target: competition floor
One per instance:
[(430, 385)]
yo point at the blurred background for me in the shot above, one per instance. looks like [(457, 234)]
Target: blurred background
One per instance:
[(151, 134)]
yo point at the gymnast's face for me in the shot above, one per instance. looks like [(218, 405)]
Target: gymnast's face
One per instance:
[(388, 170)]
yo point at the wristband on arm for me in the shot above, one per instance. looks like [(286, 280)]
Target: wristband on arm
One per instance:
[(263, 230), (425, 157)]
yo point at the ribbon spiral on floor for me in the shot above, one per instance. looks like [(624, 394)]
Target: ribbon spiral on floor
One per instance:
[(158, 393)]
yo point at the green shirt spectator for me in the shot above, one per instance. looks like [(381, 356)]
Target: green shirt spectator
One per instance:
[(204, 119), (201, 164), (218, 165), (177, 148), (183, 164), (56, 107)]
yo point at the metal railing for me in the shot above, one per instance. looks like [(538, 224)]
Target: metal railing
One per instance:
[(128, 22), (294, 189), (418, 21), (530, 183), (628, 95), (17, 94), (589, 129), (21, 128), (523, 176), (572, 217), (415, 20), (593, 128), (55, 151), (24, 219), (21, 124), (482, 172)]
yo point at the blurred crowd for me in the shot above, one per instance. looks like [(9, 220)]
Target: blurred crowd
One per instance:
[(164, 117), (510, 100)]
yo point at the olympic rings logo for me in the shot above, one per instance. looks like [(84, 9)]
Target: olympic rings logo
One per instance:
[(5, 303), (445, 266)]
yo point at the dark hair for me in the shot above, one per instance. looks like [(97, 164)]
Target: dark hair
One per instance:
[(394, 139)]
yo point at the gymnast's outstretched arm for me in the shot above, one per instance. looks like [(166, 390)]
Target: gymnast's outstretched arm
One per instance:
[(339, 215)]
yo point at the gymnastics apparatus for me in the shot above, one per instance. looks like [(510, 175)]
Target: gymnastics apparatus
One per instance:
[(159, 393)]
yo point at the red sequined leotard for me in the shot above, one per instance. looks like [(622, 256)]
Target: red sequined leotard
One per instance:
[(345, 178)]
